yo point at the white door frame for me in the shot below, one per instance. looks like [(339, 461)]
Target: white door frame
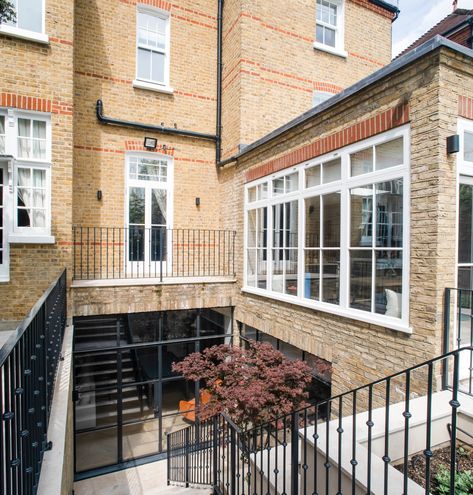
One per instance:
[(5, 210), (148, 267)]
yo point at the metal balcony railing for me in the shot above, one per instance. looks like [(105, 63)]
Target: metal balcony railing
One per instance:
[(137, 252), (391, 436), (28, 364)]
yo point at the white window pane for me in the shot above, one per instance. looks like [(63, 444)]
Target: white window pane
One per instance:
[(312, 176), (389, 154), (152, 39), (39, 149), (332, 171), (161, 42), (39, 198), (2, 124), (30, 15), (292, 182), (468, 155), (329, 37), (39, 178), (152, 22), (23, 217), (161, 25), (39, 129), (142, 36), (361, 266), (319, 35), (24, 148), (24, 127), (278, 186), (263, 191), (251, 241), (362, 162), (144, 64), (157, 66), (252, 194), (142, 20), (39, 218), (24, 177)]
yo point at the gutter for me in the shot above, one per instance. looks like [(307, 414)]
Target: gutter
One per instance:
[(218, 119), (385, 5), (396, 65), (149, 127)]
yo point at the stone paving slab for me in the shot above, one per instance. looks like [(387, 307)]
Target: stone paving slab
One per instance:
[(149, 479)]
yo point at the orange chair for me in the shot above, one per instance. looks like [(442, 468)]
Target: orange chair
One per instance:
[(187, 408)]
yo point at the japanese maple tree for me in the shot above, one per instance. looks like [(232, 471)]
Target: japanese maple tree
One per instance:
[(251, 385)]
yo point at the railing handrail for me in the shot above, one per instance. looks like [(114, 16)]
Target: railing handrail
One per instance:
[(74, 227), (23, 325), (344, 394)]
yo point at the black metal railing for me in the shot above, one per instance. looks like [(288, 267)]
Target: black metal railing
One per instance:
[(28, 364), (458, 333), (390, 436), (137, 252)]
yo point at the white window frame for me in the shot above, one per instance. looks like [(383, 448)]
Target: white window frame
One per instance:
[(27, 235), (344, 185), (464, 176), (168, 186), (39, 37), (7, 213), (339, 48), (163, 87), (326, 95)]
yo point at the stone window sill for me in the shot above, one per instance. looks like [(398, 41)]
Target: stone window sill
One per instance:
[(31, 239), (153, 87), (331, 50), (24, 34)]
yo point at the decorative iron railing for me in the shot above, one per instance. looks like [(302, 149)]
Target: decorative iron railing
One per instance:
[(388, 437), (137, 252), (28, 364)]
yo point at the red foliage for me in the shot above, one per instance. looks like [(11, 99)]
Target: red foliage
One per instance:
[(251, 385)]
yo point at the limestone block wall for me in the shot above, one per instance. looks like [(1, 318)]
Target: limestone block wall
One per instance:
[(428, 91)]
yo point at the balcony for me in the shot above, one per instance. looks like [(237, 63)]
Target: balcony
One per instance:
[(156, 255)]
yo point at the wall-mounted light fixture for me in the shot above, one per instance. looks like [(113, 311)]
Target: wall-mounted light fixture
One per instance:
[(453, 144), (150, 143), (197, 201), (99, 195)]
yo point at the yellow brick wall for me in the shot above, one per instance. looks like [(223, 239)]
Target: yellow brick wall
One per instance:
[(44, 72), (277, 68)]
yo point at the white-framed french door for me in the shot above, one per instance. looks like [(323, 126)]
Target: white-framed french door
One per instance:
[(4, 223), (463, 336), (148, 214)]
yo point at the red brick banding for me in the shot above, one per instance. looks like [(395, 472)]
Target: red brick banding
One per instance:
[(138, 146), (23, 102), (465, 107), (394, 117)]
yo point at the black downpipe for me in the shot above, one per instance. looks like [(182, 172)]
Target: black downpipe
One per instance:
[(218, 150), (147, 127)]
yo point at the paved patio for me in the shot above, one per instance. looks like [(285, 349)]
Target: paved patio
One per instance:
[(149, 479)]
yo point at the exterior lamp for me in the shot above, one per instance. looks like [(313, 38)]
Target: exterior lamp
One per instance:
[(150, 143), (453, 144)]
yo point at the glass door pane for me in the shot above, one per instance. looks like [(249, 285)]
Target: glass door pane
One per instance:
[(136, 224), (158, 224)]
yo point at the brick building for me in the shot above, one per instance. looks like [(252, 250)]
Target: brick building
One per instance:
[(238, 169)]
